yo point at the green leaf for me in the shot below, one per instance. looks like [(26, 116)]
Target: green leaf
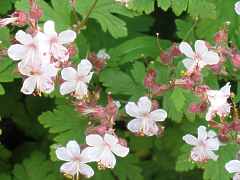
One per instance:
[(4, 36), (142, 6), (138, 72), (178, 99), (65, 124), (183, 161), (179, 6), (215, 170), (105, 13), (5, 6), (2, 91), (184, 29), (164, 4), (4, 176), (118, 82), (133, 170), (137, 48), (7, 70), (36, 167)]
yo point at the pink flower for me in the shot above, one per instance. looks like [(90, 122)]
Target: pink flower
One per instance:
[(102, 149), (200, 58), (30, 49), (39, 77), (218, 102), (145, 120), (204, 145), (75, 160), (76, 81), (234, 167), (56, 41), (237, 7)]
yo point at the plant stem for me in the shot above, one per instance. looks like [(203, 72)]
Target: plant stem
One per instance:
[(84, 21)]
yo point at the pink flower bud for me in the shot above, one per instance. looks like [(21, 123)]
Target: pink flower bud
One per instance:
[(221, 36), (236, 60), (194, 108), (150, 78), (21, 18), (165, 57), (216, 67), (72, 50), (36, 12)]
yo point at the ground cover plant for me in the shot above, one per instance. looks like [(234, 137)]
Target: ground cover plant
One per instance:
[(119, 89)]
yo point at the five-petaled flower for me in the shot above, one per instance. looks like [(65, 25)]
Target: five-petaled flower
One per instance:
[(218, 102), (56, 41), (201, 57), (145, 121), (233, 166), (39, 75), (76, 81), (75, 160), (204, 145), (102, 149)]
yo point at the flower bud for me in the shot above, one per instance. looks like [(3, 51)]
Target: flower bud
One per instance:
[(236, 60)]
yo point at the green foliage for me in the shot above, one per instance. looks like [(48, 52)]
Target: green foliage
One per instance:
[(29, 169)]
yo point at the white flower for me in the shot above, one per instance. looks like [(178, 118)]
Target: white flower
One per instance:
[(39, 76), (204, 145), (102, 150), (75, 160), (103, 55), (237, 7), (200, 58), (30, 49), (76, 81), (234, 167), (218, 102), (145, 119), (56, 41)]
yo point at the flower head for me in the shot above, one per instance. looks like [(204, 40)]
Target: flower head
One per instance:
[(56, 41), (204, 145), (198, 59), (234, 167), (76, 81), (218, 102), (102, 149), (75, 160), (145, 119), (39, 77)]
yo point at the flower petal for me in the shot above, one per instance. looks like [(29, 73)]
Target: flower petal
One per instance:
[(135, 125), (86, 170), (73, 148), (202, 133), (233, 166), (81, 90), (84, 67), (91, 154), (150, 128), (210, 58), (186, 49), (94, 140), (144, 104), (49, 28), (69, 74), (62, 154), (67, 36), (69, 168), (45, 84), (190, 139), (200, 47), (67, 88), (110, 139), (226, 90), (189, 64), (59, 52), (49, 70), (120, 150), (29, 85), (212, 155), (237, 7), (17, 52), (108, 159), (23, 37), (132, 109), (158, 115), (212, 144)]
